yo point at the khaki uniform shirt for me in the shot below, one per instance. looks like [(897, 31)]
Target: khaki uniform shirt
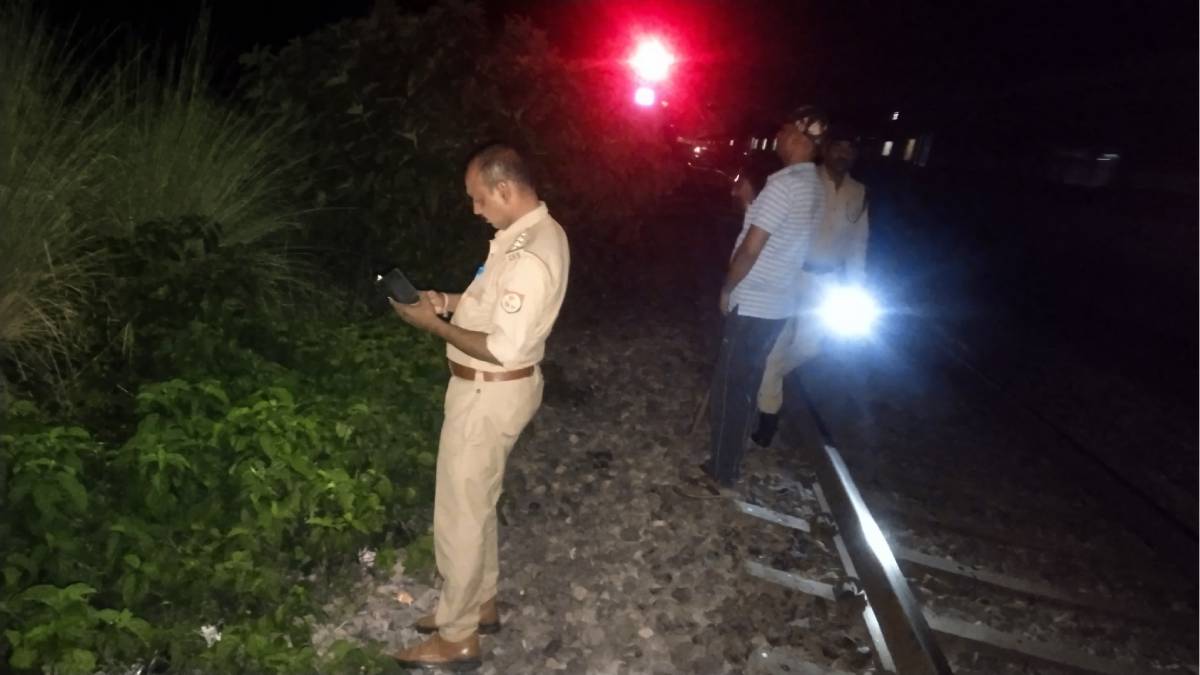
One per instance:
[(516, 297), (841, 239)]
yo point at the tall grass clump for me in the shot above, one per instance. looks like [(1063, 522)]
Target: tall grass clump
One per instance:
[(172, 151), (50, 140), (175, 153), (89, 154)]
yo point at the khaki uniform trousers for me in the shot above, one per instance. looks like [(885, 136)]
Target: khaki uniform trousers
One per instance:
[(482, 423), (798, 343)]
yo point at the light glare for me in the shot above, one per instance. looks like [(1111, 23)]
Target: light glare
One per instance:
[(644, 96), (849, 311), (651, 61)]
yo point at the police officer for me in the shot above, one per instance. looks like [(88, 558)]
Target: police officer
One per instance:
[(495, 340), (838, 251)]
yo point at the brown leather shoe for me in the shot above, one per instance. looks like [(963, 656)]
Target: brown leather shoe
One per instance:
[(489, 620), (438, 653)]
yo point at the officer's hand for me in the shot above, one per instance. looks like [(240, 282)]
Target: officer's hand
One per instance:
[(439, 301), (723, 303), (420, 314)]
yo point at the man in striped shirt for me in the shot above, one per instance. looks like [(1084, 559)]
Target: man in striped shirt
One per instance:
[(837, 253), (759, 293)]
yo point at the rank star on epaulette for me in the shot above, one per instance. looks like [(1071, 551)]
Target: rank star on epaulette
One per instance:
[(519, 242), (513, 256)]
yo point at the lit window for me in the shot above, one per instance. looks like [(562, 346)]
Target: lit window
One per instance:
[(887, 149), (909, 149)]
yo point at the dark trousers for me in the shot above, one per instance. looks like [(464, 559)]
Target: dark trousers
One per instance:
[(745, 343)]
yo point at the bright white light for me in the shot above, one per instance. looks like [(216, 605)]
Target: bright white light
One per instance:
[(895, 115), (697, 149), (651, 61), (887, 148), (644, 96), (849, 311)]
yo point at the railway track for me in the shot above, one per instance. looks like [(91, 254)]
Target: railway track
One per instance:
[(981, 547)]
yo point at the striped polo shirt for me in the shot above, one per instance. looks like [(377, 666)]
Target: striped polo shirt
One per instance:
[(789, 208)]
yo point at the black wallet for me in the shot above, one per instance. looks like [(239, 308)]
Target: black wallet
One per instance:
[(399, 288)]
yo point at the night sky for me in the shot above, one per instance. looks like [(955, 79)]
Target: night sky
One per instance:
[(1135, 60)]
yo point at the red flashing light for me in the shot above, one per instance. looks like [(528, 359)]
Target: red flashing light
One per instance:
[(651, 61)]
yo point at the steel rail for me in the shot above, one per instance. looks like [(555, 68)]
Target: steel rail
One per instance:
[(909, 639)]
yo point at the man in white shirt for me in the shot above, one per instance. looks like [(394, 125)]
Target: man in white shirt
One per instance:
[(759, 291), (838, 251)]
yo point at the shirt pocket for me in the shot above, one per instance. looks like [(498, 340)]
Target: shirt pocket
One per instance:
[(484, 293), (473, 313)]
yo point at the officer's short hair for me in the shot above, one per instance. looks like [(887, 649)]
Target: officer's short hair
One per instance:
[(498, 162)]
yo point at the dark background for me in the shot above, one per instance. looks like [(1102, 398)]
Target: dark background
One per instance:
[(982, 238), (1000, 86), (1086, 69)]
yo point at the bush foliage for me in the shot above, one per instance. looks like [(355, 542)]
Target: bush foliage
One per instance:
[(391, 105), (184, 441), (252, 462)]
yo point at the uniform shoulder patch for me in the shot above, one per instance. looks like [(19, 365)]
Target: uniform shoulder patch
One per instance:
[(512, 302)]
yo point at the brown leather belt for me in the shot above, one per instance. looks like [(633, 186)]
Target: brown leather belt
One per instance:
[(459, 370)]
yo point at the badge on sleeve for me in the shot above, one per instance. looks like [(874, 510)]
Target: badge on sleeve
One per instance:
[(512, 302)]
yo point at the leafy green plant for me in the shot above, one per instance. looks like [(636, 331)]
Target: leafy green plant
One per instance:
[(226, 505)]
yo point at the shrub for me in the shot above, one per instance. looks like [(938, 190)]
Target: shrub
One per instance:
[(85, 158), (390, 105), (238, 501), (172, 150)]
